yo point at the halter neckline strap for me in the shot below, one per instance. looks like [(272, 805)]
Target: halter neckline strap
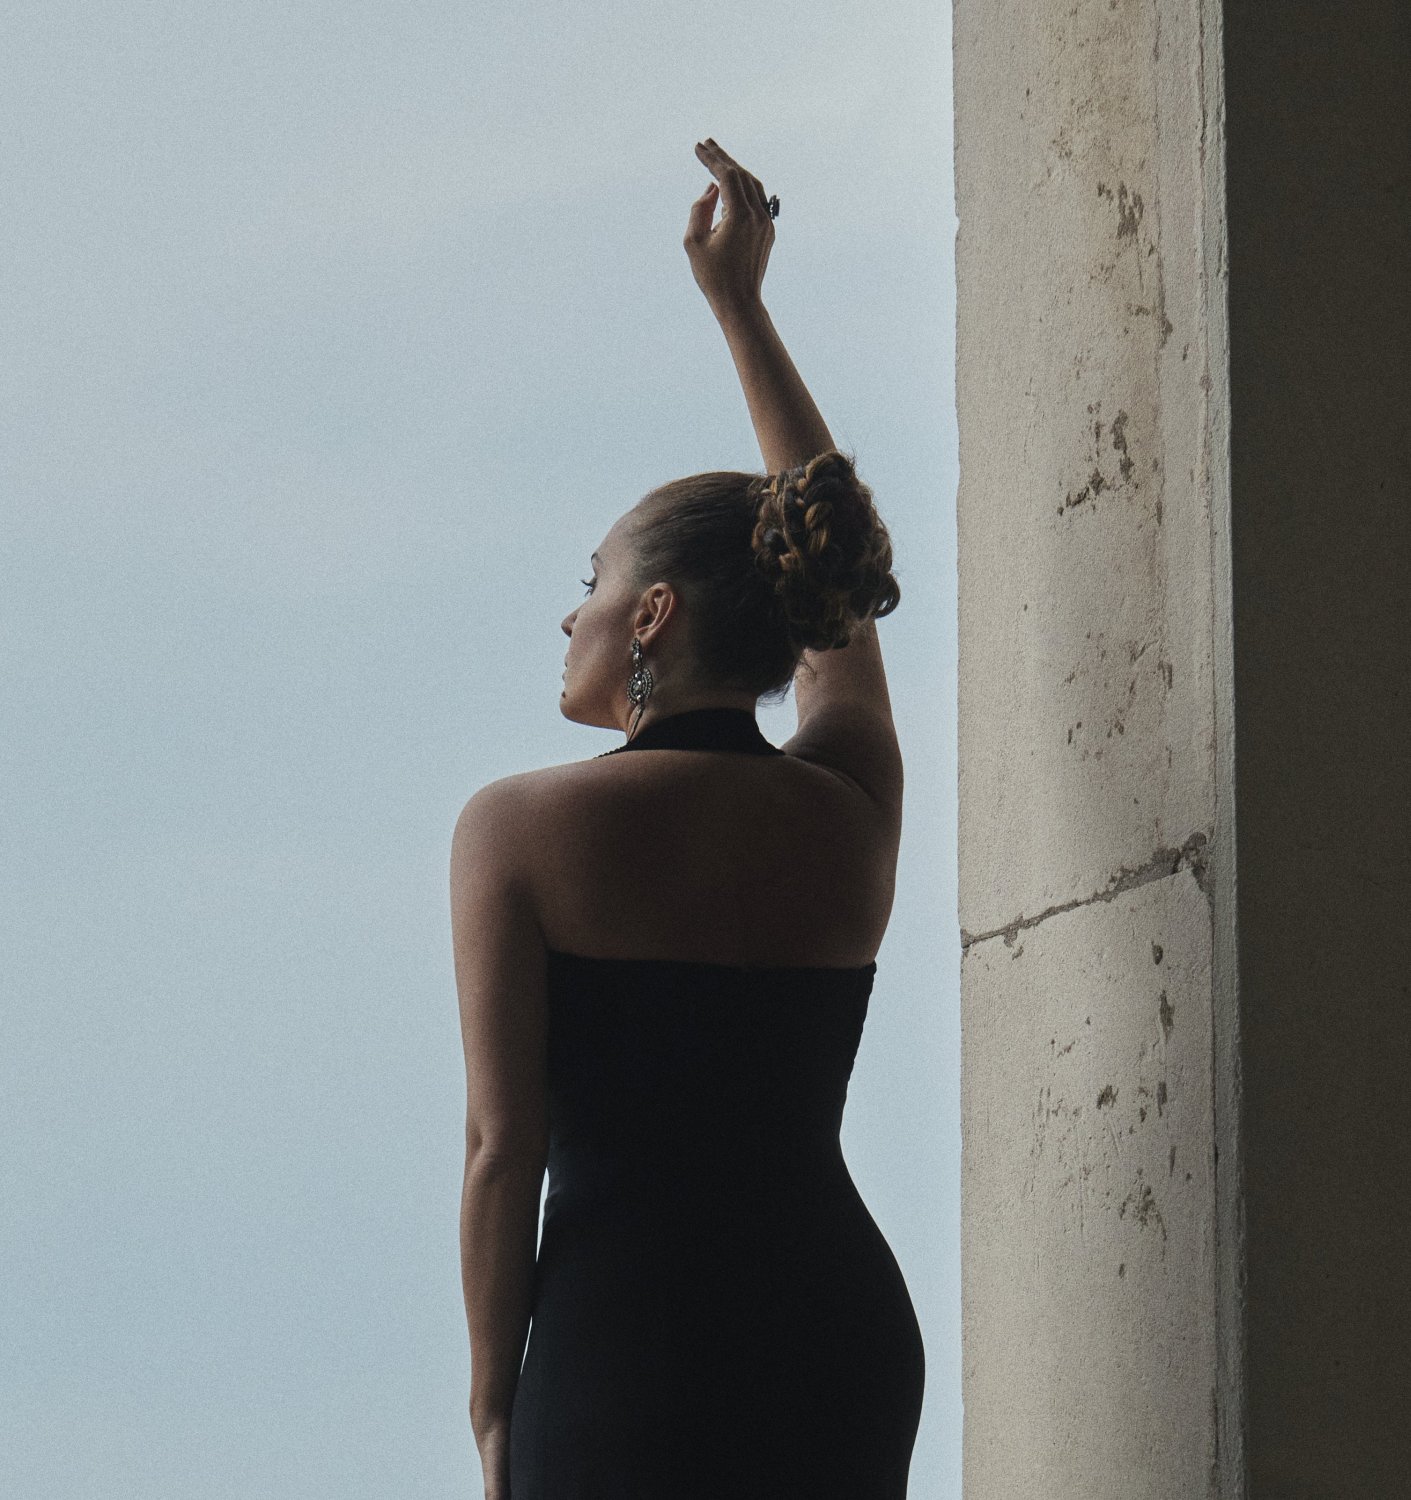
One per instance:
[(701, 729)]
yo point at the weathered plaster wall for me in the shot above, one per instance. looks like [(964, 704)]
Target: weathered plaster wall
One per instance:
[(1099, 1241), (1089, 1232)]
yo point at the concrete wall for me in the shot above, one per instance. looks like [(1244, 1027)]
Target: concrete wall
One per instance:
[(1099, 1241), (1183, 377)]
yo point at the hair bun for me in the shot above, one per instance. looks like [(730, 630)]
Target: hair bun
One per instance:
[(819, 540)]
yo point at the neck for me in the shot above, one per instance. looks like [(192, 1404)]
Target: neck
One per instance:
[(680, 703)]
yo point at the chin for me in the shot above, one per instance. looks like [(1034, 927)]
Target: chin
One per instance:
[(566, 708), (577, 715)]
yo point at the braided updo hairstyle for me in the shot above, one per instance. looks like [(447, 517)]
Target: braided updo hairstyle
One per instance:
[(770, 565)]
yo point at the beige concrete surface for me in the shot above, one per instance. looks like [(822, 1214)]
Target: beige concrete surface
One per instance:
[(1088, 1236), (1183, 376), (1100, 1243)]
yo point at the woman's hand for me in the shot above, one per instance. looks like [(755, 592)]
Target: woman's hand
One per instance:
[(728, 261)]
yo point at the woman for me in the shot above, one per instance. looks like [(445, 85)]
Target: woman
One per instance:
[(664, 966)]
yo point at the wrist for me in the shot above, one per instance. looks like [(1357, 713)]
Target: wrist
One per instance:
[(740, 315)]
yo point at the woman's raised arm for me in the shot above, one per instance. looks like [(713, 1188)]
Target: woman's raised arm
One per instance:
[(728, 263), (845, 713)]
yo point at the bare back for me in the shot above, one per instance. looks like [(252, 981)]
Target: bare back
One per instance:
[(728, 858)]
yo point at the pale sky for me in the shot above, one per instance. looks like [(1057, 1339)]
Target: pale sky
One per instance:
[(335, 336)]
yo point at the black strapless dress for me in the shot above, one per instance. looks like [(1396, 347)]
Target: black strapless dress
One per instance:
[(716, 1313)]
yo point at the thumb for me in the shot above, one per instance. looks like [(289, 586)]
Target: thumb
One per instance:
[(702, 212)]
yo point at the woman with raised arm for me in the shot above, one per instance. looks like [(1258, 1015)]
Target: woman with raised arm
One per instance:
[(664, 966)]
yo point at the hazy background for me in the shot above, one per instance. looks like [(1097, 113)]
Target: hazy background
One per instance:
[(334, 338)]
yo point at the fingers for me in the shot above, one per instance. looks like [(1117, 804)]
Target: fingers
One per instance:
[(702, 213), (740, 190), (734, 196)]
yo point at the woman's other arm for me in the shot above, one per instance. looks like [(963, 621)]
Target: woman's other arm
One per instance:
[(500, 980)]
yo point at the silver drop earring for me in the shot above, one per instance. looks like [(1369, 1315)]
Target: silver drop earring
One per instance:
[(639, 685)]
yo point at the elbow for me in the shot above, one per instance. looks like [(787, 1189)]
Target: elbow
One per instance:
[(494, 1156)]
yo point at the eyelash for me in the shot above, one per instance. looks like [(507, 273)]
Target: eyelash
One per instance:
[(588, 583)]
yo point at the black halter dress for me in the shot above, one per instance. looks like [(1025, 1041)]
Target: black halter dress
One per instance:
[(716, 1313)]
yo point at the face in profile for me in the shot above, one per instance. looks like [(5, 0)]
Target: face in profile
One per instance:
[(599, 631)]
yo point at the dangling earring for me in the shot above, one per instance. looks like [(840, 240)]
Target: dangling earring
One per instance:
[(639, 685)]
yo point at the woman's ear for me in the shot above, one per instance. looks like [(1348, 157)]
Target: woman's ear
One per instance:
[(658, 606)]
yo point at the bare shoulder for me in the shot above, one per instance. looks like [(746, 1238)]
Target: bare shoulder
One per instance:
[(845, 719), (499, 818), (508, 820), (488, 814)]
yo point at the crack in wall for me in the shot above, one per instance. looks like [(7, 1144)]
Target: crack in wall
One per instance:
[(1191, 855)]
